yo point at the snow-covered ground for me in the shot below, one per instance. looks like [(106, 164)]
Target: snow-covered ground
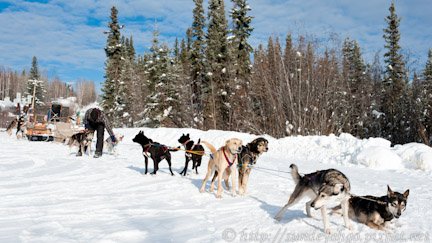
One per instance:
[(49, 195)]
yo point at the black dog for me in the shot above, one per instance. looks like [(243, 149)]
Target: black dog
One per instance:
[(157, 151), (194, 152)]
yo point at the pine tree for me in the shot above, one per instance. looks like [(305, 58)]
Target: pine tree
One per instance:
[(35, 85), (427, 74), (124, 97), (183, 67), (241, 33), (131, 50), (426, 97), (196, 43), (162, 103), (113, 51), (240, 52), (354, 73), (218, 107), (394, 92)]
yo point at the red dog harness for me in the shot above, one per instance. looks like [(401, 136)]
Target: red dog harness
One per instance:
[(226, 157)]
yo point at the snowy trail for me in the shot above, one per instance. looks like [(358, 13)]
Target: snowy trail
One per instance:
[(49, 195)]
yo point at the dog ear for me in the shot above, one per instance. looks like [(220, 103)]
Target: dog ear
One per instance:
[(406, 193), (389, 191), (187, 134), (227, 142)]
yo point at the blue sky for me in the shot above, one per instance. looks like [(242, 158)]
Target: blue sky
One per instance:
[(67, 36)]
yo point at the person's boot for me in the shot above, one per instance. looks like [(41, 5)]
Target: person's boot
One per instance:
[(97, 154)]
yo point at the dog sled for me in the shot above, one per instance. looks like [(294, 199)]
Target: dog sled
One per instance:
[(56, 125)]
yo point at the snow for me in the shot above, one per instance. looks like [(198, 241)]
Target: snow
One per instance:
[(49, 195), (6, 103), (377, 114)]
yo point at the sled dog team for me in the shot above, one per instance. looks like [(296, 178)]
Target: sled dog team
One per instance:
[(234, 160)]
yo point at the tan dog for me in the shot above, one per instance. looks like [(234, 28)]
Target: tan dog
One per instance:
[(246, 160), (225, 157), (11, 126)]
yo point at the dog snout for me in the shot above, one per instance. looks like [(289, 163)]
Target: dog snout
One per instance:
[(266, 149), (313, 205), (398, 214)]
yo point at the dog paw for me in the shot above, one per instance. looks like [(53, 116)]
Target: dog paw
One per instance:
[(278, 218), (202, 190), (328, 231), (350, 227), (219, 196)]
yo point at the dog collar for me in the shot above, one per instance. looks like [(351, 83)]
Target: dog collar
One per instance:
[(184, 144), (227, 159)]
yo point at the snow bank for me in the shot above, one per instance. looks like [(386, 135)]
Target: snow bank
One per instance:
[(6, 103), (415, 156), (375, 153)]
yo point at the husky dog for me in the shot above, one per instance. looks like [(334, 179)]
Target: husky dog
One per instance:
[(196, 152), (21, 127), (320, 186), (11, 126), (83, 140), (376, 211), (111, 146), (156, 151)]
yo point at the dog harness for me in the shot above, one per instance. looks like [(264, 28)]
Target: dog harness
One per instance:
[(187, 153), (226, 157), (146, 149), (249, 163)]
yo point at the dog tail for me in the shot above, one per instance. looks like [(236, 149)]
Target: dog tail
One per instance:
[(211, 147), (294, 173), (175, 149)]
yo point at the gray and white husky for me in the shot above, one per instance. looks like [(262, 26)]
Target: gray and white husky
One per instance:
[(321, 187), (375, 212)]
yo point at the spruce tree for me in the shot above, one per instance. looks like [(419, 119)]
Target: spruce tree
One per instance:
[(241, 33), (35, 84), (162, 103), (131, 50), (426, 97), (183, 67), (393, 97), (427, 74), (218, 107), (354, 73), (124, 97), (113, 51), (241, 62), (196, 42)]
